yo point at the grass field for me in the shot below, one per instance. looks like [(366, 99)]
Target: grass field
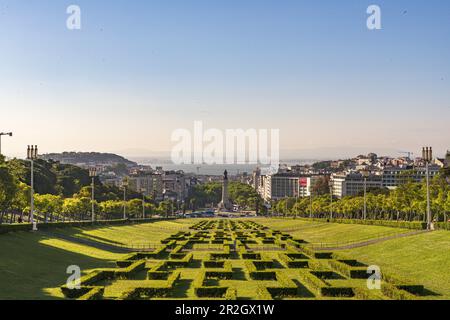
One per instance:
[(131, 234), (30, 263), (421, 258), (322, 232), (33, 265)]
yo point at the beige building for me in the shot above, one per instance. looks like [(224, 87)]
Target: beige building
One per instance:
[(151, 183)]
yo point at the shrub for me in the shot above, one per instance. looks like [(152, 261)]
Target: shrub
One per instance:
[(290, 262), (347, 270), (395, 293), (54, 225), (417, 225), (442, 225), (251, 256), (210, 292), (155, 290), (213, 263), (157, 275), (231, 294), (263, 294), (257, 274), (96, 293)]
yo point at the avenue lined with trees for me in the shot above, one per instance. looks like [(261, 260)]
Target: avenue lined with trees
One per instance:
[(407, 203), (63, 193)]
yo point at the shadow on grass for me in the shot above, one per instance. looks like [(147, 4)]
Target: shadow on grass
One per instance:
[(239, 274), (195, 264), (32, 267), (75, 236), (302, 291), (181, 288), (427, 292)]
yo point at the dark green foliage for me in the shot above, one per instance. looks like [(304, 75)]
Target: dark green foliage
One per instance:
[(395, 293)]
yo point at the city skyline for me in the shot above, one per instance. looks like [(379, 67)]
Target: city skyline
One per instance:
[(133, 74)]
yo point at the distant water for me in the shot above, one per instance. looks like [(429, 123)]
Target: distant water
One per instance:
[(209, 169)]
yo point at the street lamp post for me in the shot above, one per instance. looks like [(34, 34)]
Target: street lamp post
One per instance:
[(32, 154), (143, 202), (331, 202), (9, 134), (365, 198), (365, 175), (427, 156), (124, 185), (93, 174)]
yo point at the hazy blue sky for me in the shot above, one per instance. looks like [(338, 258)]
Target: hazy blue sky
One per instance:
[(137, 70)]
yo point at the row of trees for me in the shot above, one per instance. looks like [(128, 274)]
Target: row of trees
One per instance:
[(211, 193), (407, 202), (63, 193), (53, 208)]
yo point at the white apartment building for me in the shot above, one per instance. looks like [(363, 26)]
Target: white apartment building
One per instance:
[(282, 185), (395, 176), (351, 184)]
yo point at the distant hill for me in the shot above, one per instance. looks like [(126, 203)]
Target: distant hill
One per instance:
[(88, 158)]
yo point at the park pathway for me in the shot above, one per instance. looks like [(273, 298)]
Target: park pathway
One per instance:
[(327, 247)]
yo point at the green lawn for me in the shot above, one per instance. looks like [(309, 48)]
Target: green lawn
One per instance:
[(333, 233), (132, 234), (422, 258), (32, 263)]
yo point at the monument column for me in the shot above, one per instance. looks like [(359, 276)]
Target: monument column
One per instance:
[(225, 204)]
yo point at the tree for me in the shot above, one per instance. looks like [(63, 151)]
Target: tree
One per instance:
[(8, 187), (77, 208), (321, 186), (49, 205)]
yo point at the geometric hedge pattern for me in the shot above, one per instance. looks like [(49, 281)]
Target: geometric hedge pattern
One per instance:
[(236, 259)]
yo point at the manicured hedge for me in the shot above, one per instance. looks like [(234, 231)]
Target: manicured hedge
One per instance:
[(442, 225), (286, 287), (263, 294), (314, 254), (231, 294), (337, 292), (75, 293), (321, 288), (251, 256), (416, 225), (346, 269), (96, 293), (183, 263), (255, 270), (158, 275), (395, 293), (211, 292), (224, 272), (99, 275), (293, 263), (5, 228), (203, 291), (326, 275), (213, 263), (153, 291)]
